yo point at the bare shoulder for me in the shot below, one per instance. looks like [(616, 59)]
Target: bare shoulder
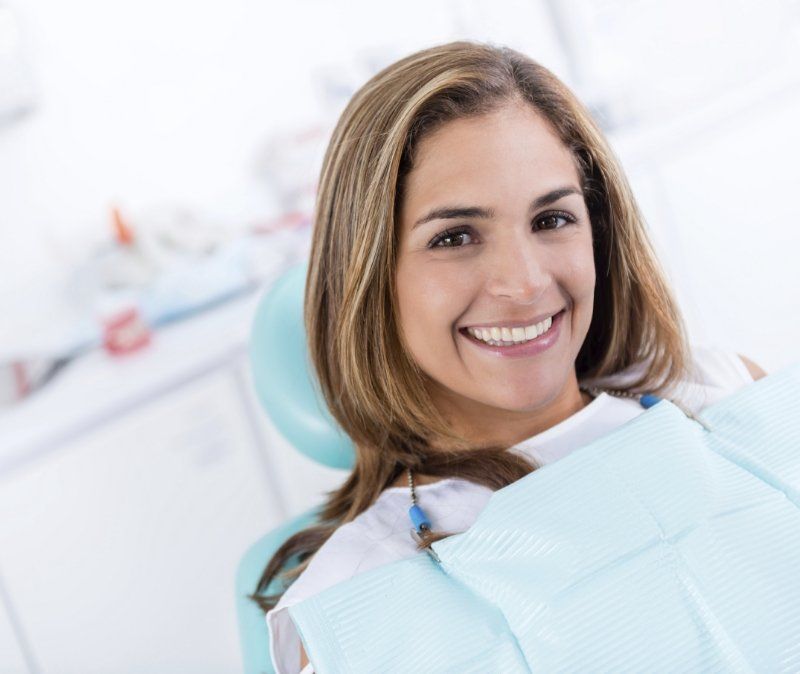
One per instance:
[(755, 370), (303, 657)]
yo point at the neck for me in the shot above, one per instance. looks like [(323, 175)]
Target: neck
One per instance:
[(505, 428), (485, 425)]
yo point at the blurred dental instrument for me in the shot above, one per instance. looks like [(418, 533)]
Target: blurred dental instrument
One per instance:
[(20, 378), (161, 266)]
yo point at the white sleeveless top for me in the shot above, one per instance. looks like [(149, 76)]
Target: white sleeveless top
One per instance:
[(381, 534)]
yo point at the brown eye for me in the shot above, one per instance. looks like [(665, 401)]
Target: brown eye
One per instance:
[(550, 220), (449, 239)]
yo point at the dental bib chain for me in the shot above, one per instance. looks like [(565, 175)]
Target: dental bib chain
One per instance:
[(421, 523)]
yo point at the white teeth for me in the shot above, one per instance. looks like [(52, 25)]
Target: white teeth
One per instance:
[(509, 336)]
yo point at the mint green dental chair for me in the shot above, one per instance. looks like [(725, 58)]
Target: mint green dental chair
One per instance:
[(290, 395)]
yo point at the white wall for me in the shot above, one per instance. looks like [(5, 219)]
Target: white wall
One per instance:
[(169, 100), (172, 103)]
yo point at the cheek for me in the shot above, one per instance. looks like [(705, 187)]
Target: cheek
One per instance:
[(430, 301), (580, 278), (584, 278), (578, 272)]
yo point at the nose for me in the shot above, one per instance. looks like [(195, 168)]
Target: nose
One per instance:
[(518, 270)]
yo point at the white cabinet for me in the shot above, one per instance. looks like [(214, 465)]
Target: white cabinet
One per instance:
[(119, 548), (129, 490)]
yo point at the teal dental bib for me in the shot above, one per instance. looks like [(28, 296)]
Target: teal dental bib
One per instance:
[(660, 547)]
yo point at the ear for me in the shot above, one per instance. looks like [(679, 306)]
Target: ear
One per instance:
[(755, 370)]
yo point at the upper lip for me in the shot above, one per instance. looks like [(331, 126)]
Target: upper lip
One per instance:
[(519, 322)]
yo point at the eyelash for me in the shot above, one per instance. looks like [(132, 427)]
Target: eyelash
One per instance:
[(434, 243)]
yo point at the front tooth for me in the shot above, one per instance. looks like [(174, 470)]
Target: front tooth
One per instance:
[(530, 332), (544, 326), (517, 334), (496, 334), (506, 334)]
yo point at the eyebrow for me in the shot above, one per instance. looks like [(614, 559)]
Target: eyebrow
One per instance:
[(451, 212)]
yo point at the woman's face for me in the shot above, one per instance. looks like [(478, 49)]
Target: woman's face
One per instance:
[(519, 253)]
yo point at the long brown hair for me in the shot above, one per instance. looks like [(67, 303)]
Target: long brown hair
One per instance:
[(350, 300)]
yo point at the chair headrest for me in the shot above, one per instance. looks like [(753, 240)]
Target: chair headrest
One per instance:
[(284, 381)]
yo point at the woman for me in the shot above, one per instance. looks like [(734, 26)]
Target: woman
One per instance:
[(479, 270)]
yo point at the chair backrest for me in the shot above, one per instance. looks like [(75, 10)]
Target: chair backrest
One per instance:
[(284, 383), (253, 635), (290, 395)]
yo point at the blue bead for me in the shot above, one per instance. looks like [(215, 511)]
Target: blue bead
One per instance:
[(648, 400), (418, 517)]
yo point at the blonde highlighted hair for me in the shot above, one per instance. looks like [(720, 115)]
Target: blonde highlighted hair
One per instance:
[(374, 390)]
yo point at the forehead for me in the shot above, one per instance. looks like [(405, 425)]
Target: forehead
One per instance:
[(510, 153)]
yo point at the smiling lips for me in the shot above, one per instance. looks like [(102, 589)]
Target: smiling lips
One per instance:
[(514, 350), (506, 336)]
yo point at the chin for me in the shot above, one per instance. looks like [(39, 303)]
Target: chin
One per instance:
[(521, 401)]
